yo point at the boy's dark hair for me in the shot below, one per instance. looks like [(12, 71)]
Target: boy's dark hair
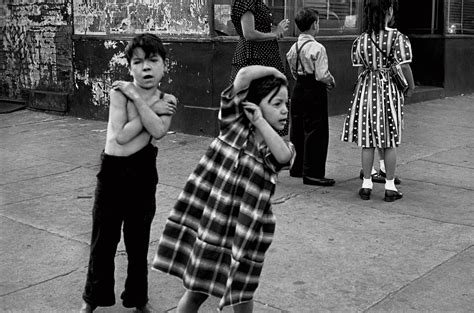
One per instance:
[(374, 14), (150, 43), (261, 87), (305, 18)]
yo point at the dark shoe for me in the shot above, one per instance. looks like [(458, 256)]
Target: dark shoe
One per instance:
[(318, 181), (376, 178), (384, 175), (391, 195), (364, 193)]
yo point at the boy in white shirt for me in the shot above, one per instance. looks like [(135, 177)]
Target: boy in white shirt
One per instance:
[(309, 127)]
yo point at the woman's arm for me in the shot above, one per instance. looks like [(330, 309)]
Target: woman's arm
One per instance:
[(406, 69), (247, 21)]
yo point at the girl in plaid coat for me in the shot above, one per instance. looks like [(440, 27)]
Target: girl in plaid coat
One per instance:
[(217, 234)]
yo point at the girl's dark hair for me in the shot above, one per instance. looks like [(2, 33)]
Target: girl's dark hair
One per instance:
[(261, 87), (150, 43), (374, 14)]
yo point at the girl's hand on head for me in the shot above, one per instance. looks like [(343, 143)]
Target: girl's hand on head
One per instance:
[(252, 111)]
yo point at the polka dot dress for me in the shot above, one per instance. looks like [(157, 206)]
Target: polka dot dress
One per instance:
[(255, 52), (375, 118)]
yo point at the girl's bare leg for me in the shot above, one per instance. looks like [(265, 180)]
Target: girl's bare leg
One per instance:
[(190, 302), (367, 161), (246, 307), (390, 157)]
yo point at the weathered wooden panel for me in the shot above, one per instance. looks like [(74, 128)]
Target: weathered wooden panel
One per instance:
[(35, 46)]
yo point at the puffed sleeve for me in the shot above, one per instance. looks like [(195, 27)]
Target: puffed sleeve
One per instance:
[(240, 7), (231, 105), (402, 49), (273, 164), (355, 53)]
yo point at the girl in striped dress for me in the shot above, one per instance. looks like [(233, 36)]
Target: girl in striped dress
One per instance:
[(217, 234), (375, 118)]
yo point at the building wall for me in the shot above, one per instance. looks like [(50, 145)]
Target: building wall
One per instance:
[(459, 65), (35, 47), (41, 59), (184, 17), (428, 55), (198, 71)]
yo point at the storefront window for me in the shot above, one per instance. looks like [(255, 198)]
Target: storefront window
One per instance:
[(337, 17), (459, 17)]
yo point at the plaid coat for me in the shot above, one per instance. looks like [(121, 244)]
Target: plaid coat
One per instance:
[(217, 234)]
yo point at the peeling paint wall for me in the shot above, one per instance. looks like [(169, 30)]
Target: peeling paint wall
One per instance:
[(98, 75), (175, 17), (35, 47)]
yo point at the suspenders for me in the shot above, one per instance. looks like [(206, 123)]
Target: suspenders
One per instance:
[(298, 59)]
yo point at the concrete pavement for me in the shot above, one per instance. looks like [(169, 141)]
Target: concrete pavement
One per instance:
[(332, 252)]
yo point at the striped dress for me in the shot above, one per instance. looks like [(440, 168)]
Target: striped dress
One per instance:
[(375, 118), (217, 234)]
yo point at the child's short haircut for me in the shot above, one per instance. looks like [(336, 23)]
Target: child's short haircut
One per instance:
[(150, 43), (261, 87), (305, 18)]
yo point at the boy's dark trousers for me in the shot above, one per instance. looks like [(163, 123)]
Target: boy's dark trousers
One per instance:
[(309, 127), (125, 194)]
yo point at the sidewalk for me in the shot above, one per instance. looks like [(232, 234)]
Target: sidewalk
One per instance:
[(332, 252)]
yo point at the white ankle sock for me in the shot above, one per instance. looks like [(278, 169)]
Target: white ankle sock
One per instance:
[(390, 184), (382, 165), (374, 171), (367, 183)]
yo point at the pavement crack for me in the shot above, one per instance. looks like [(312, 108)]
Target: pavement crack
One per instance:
[(37, 122), (271, 306), (444, 163), (394, 293), (285, 198), (42, 229), (39, 283), (440, 184), (44, 176)]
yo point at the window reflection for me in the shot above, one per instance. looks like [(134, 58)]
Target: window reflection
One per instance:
[(337, 17)]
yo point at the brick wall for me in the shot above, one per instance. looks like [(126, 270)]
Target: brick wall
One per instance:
[(35, 47)]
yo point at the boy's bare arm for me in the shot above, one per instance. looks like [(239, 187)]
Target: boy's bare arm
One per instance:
[(165, 105), (157, 126), (124, 129)]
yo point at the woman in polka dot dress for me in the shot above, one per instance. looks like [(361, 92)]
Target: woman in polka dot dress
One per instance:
[(375, 118), (257, 44)]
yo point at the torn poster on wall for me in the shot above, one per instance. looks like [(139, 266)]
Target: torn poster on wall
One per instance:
[(174, 17)]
